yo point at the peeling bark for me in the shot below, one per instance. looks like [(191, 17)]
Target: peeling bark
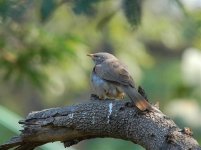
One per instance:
[(72, 124)]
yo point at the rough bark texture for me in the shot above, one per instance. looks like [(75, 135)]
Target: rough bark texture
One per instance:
[(71, 124)]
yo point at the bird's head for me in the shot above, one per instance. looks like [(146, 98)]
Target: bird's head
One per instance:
[(98, 58)]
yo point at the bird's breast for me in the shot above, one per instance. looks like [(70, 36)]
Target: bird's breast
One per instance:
[(97, 80), (106, 88)]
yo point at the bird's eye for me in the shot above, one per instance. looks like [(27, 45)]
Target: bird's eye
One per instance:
[(97, 57)]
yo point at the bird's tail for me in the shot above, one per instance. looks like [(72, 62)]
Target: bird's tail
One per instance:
[(137, 98)]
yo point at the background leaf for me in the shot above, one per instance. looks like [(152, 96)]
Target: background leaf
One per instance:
[(47, 9), (133, 11), (85, 7)]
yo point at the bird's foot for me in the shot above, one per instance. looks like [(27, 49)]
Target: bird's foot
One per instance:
[(129, 104), (94, 97), (110, 99)]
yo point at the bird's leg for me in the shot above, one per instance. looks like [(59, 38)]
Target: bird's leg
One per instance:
[(109, 96), (101, 97), (121, 96)]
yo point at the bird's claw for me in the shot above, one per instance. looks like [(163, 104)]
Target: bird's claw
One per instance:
[(94, 97), (129, 104)]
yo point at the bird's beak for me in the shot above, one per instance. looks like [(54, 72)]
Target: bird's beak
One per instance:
[(90, 55)]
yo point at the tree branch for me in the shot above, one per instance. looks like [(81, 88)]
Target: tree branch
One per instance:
[(71, 124)]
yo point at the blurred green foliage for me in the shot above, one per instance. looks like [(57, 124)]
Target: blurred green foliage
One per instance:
[(43, 47), (109, 144)]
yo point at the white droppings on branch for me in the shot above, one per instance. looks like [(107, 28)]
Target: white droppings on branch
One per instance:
[(71, 115), (93, 120), (109, 112)]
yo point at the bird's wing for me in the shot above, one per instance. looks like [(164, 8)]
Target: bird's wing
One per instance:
[(113, 70)]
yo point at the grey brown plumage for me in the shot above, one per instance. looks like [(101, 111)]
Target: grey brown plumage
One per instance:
[(110, 78)]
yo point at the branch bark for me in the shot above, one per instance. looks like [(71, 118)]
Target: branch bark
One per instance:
[(72, 124)]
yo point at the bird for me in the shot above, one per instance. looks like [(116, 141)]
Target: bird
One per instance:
[(110, 79)]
